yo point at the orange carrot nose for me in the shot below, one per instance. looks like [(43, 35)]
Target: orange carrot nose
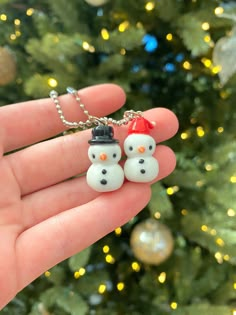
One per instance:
[(103, 156), (141, 149)]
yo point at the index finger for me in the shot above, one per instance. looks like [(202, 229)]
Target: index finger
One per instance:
[(33, 121)]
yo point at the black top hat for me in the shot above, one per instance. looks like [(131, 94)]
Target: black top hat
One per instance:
[(103, 134)]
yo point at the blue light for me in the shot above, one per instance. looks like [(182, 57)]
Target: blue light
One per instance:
[(100, 12), (150, 42), (169, 67), (136, 68), (179, 57)]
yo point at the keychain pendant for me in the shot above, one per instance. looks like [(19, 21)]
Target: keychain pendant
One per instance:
[(105, 174), (139, 146)]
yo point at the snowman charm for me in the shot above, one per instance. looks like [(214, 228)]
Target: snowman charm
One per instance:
[(105, 174), (139, 146)]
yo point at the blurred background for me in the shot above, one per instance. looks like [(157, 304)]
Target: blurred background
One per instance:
[(178, 256)]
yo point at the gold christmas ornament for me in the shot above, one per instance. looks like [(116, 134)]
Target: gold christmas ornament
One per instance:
[(151, 242), (96, 3), (7, 66)]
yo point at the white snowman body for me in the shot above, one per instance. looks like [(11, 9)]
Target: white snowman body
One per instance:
[(105, 174), (140, 165)]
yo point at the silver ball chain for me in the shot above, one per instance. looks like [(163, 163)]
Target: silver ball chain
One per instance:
[(92, 120)]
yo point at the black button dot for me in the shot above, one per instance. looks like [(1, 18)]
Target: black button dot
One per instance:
[(103, 181), (131, 148), (142, 171), (150, 147), (104, 171), (141, 161), (114, 155), (93, 156)]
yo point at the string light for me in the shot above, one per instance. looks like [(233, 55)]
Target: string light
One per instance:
[(226, 257), (234, 285), (105, 34), (110, 259), (184, 212), (106, 249), (52, 82), (123, 26), (208, 167), (207, 62), (85, 45), (233, 312), (219, 257), (205, 26), (157, 215), (187, 65), (135, 266), (200, 131), (120, 286), (102, 288), (219, 10), (47, 274), (216, 69), (174, 305), (171, 190), (79, 273), (162, 277), (3, 17), (207, 39), (220, 129), (150, 6), (18, 33), (13, 36), (233, 179), (231, 212), (169, 37), (118, 231), (213, 232), (204, 228), (17, 22), (122, 51), (220, 242), (184, 135), (30, 11)]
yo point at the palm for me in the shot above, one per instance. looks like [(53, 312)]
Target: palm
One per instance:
[(43, 218)]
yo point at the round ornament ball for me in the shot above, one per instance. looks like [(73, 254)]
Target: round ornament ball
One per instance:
[(151, 242), (7, 66), (96, 3)]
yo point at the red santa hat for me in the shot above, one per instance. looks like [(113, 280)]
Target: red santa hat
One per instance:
[(140, 125)]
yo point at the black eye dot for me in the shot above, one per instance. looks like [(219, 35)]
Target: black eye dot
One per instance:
[(114, 155), (150, 147), (131, 148), (93, 156)]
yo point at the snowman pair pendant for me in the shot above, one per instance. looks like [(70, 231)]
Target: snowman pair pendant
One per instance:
[(105, 174)]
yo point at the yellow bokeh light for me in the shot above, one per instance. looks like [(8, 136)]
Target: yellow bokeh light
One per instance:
[(85, 45), (207, 62), (204, 228), (79, 273), (91, 49), (135, 266), (174, 305), (219, 10), (150, 6), (200, 131), (184, 212), (52, 82), (3, 17), (207, 38), (157, 215), (233, 312), (220, 242), (184, 135), (47, 274), (102, 288), (110, 259), (205, 26), (120, 286), (233, 179), (213, 232), (231, 212), (226, 257), (105, 34), (162, 277), (13, 36), (118, 231), (219, 257), (208, 167), (169, 37), (187, 65), (122, 51), (17, 22), (216, 69), (234, 285), (123, 26), (106, 249), (30, 11), (220, 129)]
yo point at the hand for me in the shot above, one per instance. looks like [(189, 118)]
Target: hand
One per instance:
[(43, 218)]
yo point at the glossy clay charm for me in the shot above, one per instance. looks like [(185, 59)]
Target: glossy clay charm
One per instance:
[(139, 147), (105, 174)]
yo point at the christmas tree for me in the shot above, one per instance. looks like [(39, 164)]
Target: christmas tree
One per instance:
[(168, 53)]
